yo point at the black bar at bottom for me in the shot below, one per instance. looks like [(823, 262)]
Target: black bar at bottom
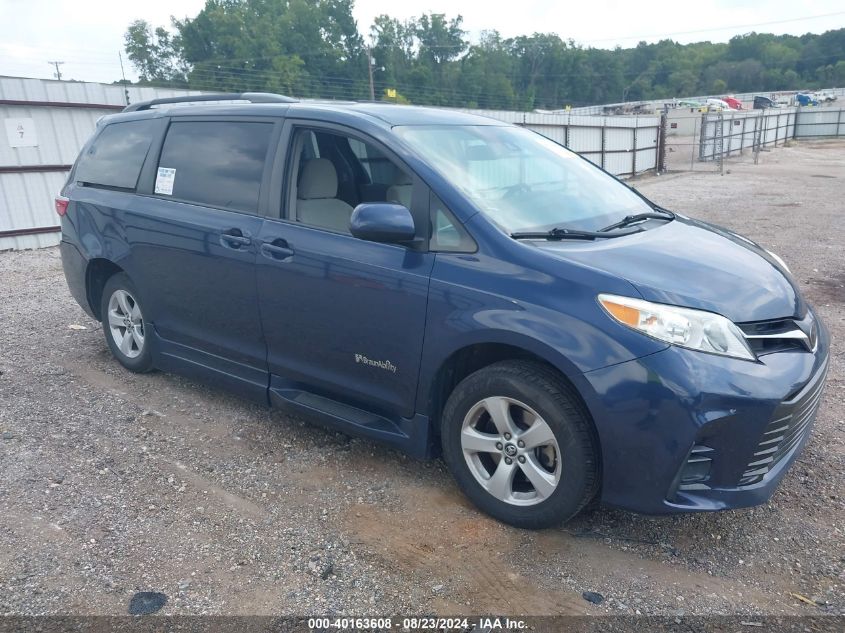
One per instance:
[(443, 624)]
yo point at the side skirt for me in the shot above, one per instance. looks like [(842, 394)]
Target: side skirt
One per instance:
[(243, 380), (412, 436)]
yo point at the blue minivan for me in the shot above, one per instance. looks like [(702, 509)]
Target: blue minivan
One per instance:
[(451, 285)]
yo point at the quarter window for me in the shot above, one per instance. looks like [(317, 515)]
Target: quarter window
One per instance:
[(116, 156), (214, 163), (447, 234)]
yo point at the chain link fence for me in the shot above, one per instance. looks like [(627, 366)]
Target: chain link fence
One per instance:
[(708, 141)]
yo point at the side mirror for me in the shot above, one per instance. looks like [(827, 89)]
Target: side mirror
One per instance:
[(382, 222)]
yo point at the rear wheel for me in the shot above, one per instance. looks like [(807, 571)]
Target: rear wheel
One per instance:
[(124, 325), (520, 444)]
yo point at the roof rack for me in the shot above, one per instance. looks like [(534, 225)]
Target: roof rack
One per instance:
[(252, 97)]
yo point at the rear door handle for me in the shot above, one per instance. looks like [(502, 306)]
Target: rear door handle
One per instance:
[(277, 249), (235, 238)]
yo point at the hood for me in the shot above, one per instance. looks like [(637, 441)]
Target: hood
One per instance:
[(693, 264)]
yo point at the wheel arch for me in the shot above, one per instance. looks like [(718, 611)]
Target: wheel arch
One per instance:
[(477, 355), (98, 272)]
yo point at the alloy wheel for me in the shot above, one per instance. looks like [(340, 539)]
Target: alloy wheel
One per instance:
[(511, 451), (126, 323)]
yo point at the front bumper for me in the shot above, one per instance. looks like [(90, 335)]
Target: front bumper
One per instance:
[(685, 431)]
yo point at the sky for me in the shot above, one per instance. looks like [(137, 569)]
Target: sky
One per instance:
[(87, 35)]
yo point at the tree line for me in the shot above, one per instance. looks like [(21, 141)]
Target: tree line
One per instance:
[(313, 48)]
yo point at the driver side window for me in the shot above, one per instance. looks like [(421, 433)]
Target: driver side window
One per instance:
[(334, 173)]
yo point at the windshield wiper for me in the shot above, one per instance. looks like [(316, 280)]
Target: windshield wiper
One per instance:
[(571, 234), (657, 214)]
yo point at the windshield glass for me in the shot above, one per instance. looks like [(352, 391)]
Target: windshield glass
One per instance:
[(522, 180)]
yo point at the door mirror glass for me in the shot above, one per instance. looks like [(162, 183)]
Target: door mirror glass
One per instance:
[(382, 222)]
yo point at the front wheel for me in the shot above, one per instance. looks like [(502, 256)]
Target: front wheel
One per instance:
[(520, 444), (124, 325)]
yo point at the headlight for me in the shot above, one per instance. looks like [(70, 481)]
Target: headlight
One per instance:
[(779, 260), (693, 329)]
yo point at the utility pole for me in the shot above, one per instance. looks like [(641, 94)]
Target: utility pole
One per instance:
[(370, 70), (58, 73), (123, 74)]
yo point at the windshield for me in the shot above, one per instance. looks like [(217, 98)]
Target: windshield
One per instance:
[(522, 180)]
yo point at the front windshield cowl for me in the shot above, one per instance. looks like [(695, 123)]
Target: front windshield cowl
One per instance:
[(521, 180)]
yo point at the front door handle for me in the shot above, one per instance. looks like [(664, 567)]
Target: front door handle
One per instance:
[(235, 238), (277, 249)]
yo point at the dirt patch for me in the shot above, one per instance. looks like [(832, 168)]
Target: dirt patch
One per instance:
[(826, 290), (437, 535)]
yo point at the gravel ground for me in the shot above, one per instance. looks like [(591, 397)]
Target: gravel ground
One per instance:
[(113, 483)]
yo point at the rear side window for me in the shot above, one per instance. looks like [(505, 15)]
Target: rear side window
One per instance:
[(214, 163), (115, 157)]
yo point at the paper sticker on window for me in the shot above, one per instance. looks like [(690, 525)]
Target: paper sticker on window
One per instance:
[(164, 180)]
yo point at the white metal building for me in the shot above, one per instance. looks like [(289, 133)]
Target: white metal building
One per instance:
[(45, 124)]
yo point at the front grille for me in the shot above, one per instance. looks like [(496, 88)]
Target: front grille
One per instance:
[(790, 423), (780, 335)]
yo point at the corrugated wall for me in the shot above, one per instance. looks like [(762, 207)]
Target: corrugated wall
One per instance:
[(25, 89), (741, 130), (62, 114), (30, 177), (820, 122), (623, 145)]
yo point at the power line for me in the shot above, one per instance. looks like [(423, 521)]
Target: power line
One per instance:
[(234, 68), (207, 73), (330, 86), (265, 74)]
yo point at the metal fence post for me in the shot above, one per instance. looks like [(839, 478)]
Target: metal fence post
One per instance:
[(661, 145), (742, 135), (765, 132), (634, 158), (838, 124), (603, 140), (695, 135), (760, 135), (719, 142)]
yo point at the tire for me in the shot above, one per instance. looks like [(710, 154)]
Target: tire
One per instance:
[(122, 315), (552, 476)]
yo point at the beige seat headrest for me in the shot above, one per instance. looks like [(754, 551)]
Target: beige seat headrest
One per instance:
[(318, 180)]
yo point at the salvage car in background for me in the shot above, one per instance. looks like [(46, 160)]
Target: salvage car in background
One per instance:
[(806, 99), (717, 105), (764, 103), (691, 104)]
